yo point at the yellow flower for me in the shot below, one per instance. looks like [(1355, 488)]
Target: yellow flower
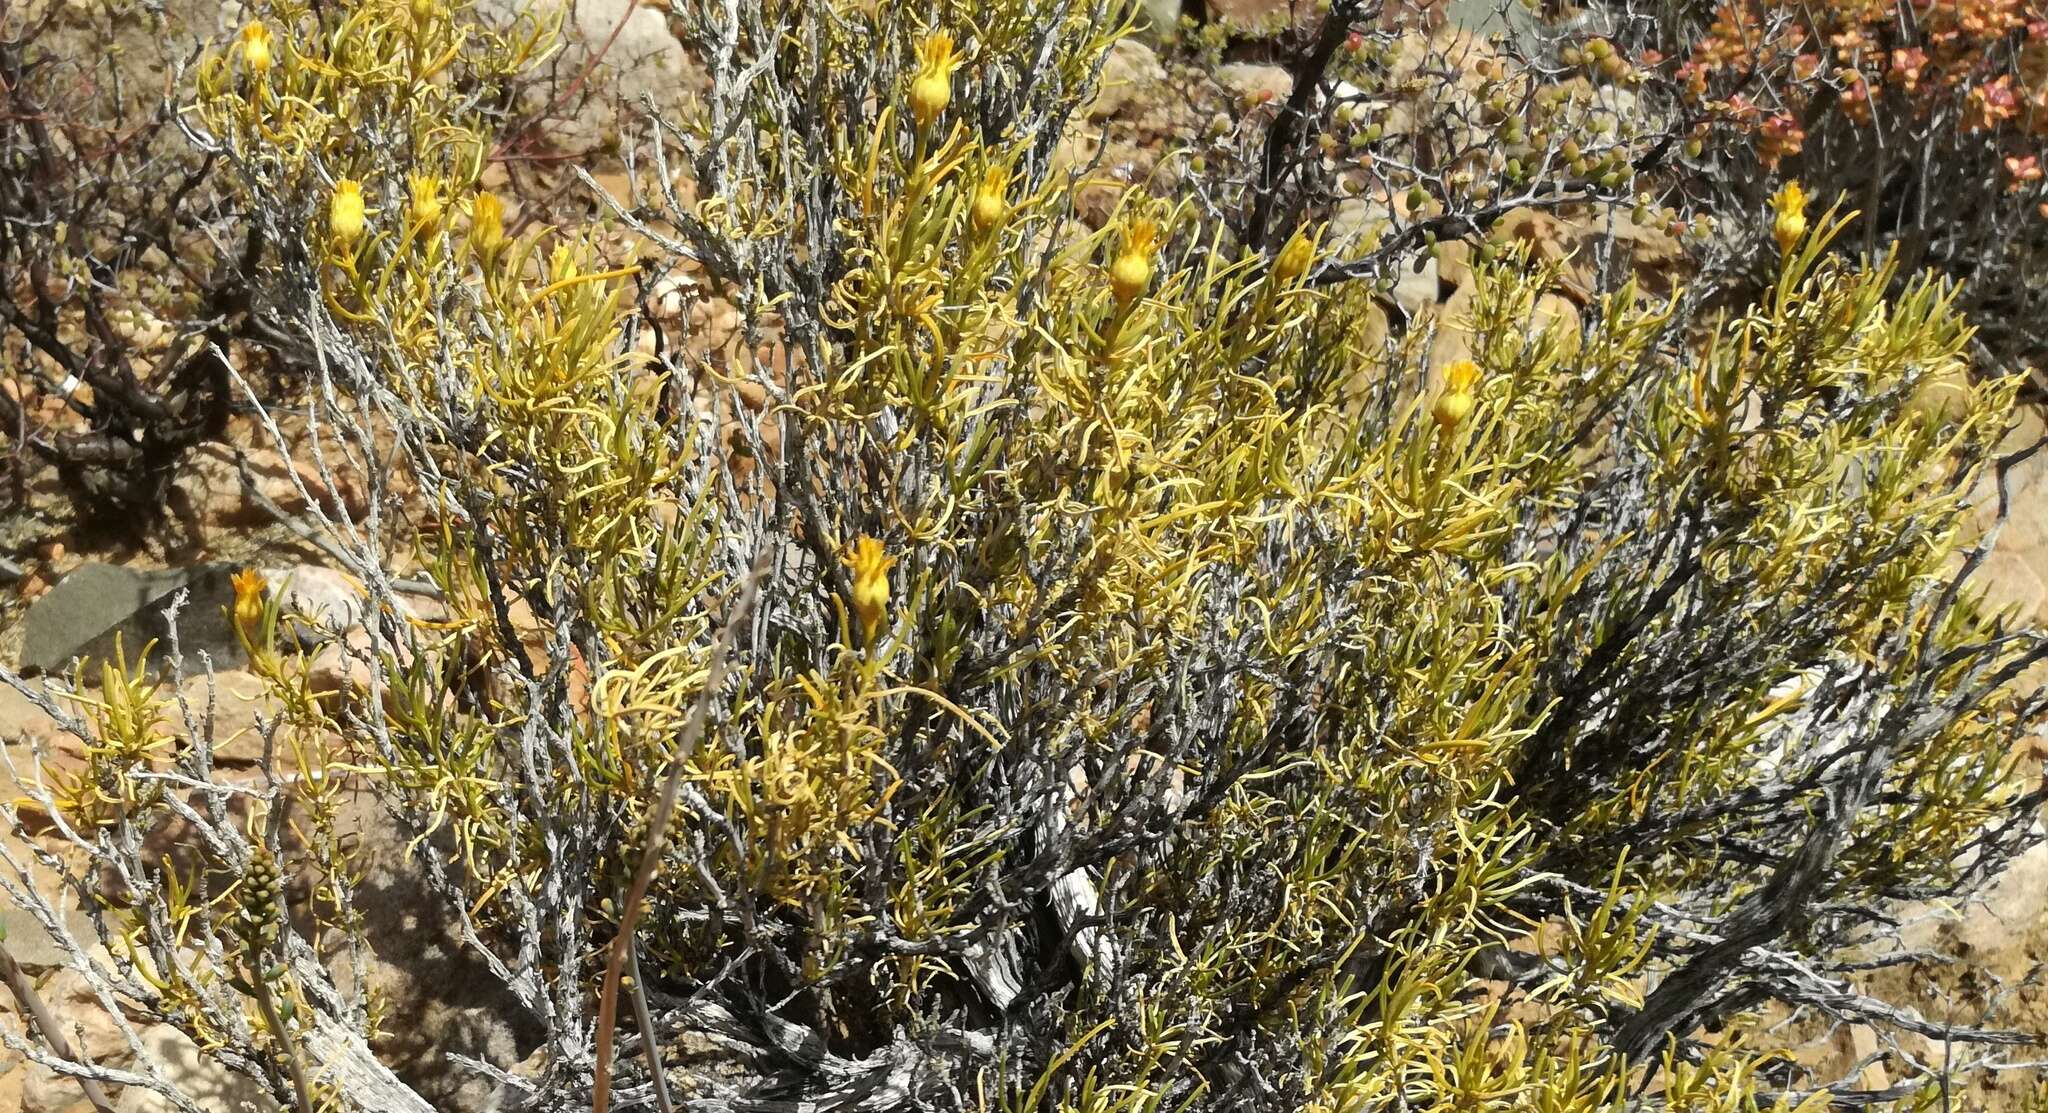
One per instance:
[(345, 212), (991, 199), (932, 89), (1456, 402), (1461, 375), (870, 564), (1451, 408), (1790, 224), (248, 612), (1131, 274), (256, 48), (425, 206), (487, 225), (1295, 258)]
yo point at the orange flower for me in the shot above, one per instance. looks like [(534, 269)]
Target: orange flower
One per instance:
[(248, 608)]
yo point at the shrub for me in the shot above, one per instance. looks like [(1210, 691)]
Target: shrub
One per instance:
[(1402, 139), (108, 382), (1927, 114), (1062, 668)]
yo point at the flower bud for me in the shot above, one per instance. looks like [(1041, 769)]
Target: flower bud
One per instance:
[(1294, 258), (870, 563), (1455, 404), (991, 200), (1789, 225), (487, 225), (1450, 409), (932, 88), (1131, 274), (248, 610), (424, 206)]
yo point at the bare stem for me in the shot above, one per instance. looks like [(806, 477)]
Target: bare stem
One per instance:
[(657, 833), (32, 1004)]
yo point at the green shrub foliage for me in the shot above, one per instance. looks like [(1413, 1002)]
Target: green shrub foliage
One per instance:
[(1050, 667)]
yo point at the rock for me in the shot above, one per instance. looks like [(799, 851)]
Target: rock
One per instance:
[(91, 1032), (637, 57), (1453, 332), (88, 610), (1556, 315), (1454, 262), (33, 947), (2010, 580), (1358, 226), (236, 698), (442, 998), (202, 1078), (1418, 285), (1263, 16), (332, 599), (1130, 72), (1525, 30), (1650, 252), (714, 324), (1942, 392), (1161, 18), (1551, 242), (210, 482), (1255, 84), (330, 610), (24, 726)]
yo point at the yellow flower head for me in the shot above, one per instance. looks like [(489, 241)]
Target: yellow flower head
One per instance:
[(870, 563), (424, 206), (345, 212), (1451, 408), (487, 225), (991, 199), (256, 48), (1790, 223), (1131, 274), (1461, 375), (248, 614), (1456, 402), (932, 89), (1295, 258)]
